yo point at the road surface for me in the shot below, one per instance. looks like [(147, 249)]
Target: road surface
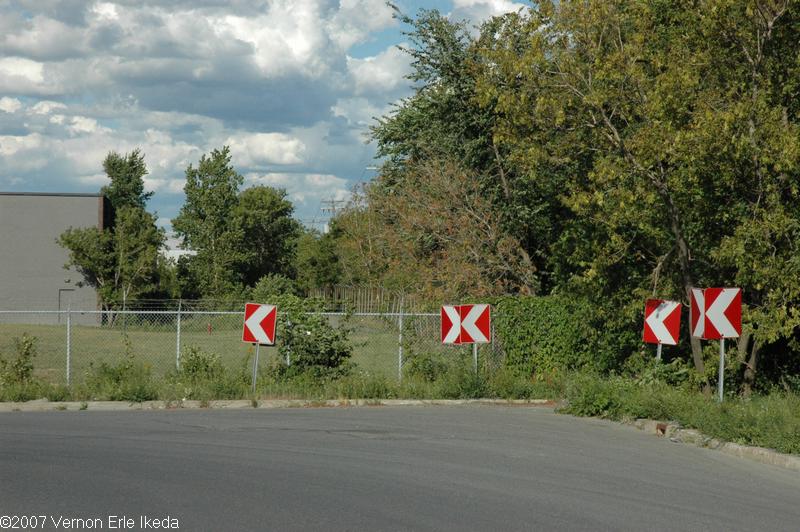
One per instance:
[(376, 468)]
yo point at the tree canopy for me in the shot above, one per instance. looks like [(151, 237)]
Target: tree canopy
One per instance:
[(627, 149)]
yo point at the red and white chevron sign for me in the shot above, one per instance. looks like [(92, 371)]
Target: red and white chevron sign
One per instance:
[(662, 321), (466, 324), (716, 313), (259, 324)]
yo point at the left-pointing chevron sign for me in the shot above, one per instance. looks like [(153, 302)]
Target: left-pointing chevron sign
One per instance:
[(466, 324), (662, 321), (259, 324)]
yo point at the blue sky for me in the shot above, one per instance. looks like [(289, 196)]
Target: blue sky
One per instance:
[(290, 86)]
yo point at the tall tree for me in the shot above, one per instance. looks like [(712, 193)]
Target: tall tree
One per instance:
[(207, 225), (269, 231), (317, 262), (121, 262), (678, 134), (127, 180)]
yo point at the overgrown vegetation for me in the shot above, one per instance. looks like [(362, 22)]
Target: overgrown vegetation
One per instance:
[(771, 420)]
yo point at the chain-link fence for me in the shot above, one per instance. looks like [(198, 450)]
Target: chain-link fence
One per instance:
[(70, 344)]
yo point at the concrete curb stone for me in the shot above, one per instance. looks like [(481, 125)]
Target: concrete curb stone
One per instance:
[(43, 405), (677, 434)]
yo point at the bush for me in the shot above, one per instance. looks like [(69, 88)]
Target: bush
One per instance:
[(20, 369), (426, 366), (202, 376), (308, 339), (197, 365), (129, 380)]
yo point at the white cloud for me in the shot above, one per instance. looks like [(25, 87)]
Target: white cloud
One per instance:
[(82, 125), (45, 38), (13, 144), (478, 11), (10, 105), (45, 107), (356, 19), (304, 188), (18, 73), (178, 78), (359, 111), (380, 74), (258, 149)]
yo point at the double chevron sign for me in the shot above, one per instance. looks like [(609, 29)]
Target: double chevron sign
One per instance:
[(716, 313), (466, 324)]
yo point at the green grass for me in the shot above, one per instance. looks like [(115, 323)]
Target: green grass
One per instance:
[(771, 421), (374, 340)]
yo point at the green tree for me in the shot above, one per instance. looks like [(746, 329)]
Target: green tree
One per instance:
[(208, 227), (269, 232), (676, 129), (127, 179), (317, 260), (121, 262)]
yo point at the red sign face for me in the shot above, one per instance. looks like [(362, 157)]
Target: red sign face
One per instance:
[(259, 324), (716, 313), (466, 324), (662, 321)]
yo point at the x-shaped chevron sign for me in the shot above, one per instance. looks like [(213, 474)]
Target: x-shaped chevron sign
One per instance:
[(466, 324), (716, 313)]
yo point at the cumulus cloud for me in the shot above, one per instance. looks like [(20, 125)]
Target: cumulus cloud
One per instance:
[(279, 81), (303, 188), (478, 11), (259, 149), (10, 105), (381, 74)]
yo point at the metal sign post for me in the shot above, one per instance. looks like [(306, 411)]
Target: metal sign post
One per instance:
[(721, 380), (255, 368), (658, 352), (475, 357)]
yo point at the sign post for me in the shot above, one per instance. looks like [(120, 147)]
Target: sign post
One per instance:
[(259, 329), (255, 368), (716, 314)]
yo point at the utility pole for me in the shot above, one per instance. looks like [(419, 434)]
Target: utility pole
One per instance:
[(332, 205)]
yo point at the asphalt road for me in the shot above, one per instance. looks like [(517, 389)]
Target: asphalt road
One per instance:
[(383, 468)]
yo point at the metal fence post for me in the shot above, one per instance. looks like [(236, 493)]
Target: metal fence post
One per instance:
[(178, 339), (400, 345), (69, 342)]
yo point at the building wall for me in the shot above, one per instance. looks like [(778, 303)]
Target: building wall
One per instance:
[(32, 274)]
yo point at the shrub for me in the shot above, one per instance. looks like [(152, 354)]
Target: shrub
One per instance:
[(20, 369), (310, 341), (197, 365), (129, 380), (426, 366)]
